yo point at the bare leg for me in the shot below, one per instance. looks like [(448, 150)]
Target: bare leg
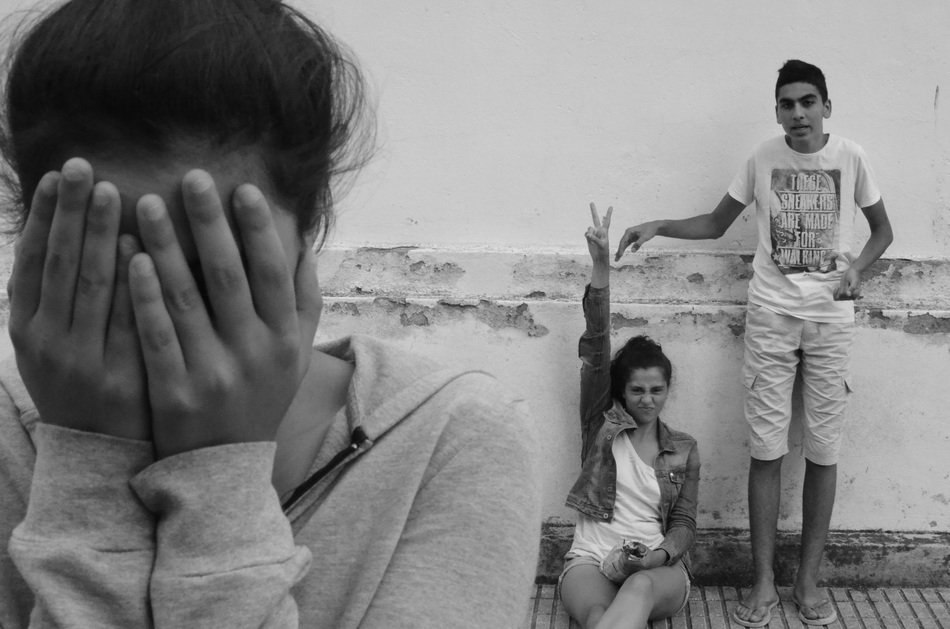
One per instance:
[(765, 481), (587, 594), (818, 499), (646, 595)]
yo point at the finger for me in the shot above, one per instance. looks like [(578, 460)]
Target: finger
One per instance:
[(308, 297), (64, 247), (161, 350), (183, 301), (26, 280), (122, 320), (97, 266), (624, 242), (270, 279), (593, 214), (606, 223), (229, 294)]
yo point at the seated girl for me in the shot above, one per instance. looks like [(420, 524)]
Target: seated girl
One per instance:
[(637, 491)]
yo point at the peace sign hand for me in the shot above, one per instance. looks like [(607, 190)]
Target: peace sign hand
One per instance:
[(597, 240)]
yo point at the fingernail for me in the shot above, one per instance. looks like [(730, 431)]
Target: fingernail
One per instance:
[(128, 245), (248, 194), (100, 195), (48, 183), (141, 265), (198, 181), (75, 169), (151, 207)]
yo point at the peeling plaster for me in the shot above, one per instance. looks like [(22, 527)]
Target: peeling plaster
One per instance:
[(735, 322), (374, 270), (619, 322), (494, 315), (927, 324), (531, 268), (917, 324)]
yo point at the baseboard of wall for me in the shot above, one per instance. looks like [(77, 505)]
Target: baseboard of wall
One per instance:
[(854, 558)]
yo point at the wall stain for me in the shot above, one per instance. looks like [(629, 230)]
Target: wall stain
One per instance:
[(563, 268), (495, 316), (619, 322), (375, 270), (735, 323), (344, 308), (927, 324), (695, 278)]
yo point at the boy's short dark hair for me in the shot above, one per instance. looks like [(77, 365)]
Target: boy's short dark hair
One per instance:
[(797, 71)]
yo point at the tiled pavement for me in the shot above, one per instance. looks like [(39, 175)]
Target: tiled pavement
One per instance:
[(710, 607)]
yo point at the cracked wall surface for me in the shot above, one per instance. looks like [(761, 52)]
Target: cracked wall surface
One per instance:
[(519, 316)]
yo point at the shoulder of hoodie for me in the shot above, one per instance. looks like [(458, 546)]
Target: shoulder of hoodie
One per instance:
[(469, 396)]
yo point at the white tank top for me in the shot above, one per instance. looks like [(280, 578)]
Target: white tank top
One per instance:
[(636, 510)]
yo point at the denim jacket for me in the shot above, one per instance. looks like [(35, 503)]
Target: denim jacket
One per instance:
[(603, 418)]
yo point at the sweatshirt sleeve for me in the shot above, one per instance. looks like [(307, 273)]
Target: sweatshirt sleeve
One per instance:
[(85, 547), (225, 552)]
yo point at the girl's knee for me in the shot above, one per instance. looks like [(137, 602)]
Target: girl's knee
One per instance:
[(639, 584)]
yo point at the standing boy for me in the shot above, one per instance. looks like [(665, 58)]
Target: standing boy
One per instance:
[(807, 186)]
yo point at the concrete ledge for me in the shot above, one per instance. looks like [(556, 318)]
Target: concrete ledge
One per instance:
[(658, 277), (852, 558)]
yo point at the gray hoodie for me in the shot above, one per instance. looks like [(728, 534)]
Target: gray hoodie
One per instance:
[(431, 521)]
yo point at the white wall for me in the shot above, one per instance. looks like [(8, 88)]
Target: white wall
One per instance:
[(500, 120)]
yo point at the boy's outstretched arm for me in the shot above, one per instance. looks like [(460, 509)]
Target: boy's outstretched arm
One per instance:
[(881, 237), (699, 227)]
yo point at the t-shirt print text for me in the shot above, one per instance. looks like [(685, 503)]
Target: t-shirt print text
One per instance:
[(804, 210)]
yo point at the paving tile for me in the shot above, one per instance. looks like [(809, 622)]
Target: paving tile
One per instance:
[(711, 607)]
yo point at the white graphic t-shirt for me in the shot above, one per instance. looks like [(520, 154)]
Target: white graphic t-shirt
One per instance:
[(805, 207)]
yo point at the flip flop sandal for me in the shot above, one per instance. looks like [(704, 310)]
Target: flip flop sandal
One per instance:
[(766, 619), (817, 620)]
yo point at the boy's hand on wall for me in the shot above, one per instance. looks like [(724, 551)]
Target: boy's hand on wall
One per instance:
[(598, 243), (849, 287), (71, 317), (635, 236), (228, 375)]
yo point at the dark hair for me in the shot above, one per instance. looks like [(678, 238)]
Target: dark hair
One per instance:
[(796, 71), (118, 77), (640, 352)]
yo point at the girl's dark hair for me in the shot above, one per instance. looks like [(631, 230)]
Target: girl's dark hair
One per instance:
[(640, 352), (137, 77)]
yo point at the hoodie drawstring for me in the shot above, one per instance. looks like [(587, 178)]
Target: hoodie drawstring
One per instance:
[(357, 439)]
